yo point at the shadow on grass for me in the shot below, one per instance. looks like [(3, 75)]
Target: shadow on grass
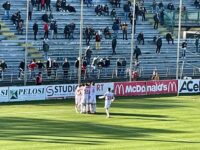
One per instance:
[(70, 132)]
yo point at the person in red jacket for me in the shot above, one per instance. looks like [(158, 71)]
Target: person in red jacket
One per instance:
[(42, 5), (32, 67), (98, 41), (46, 31)]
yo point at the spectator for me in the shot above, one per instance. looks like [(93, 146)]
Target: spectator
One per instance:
[(7, 7), (65, 67), (21, 69), (46, 31), (126, 10), (197, 44), (137, 53), (156, 20), (123, 66), (58, 5), (52, 26), (119, 65), (32, 67), (20, 27), (140, 38), (107, 32), (115, 28), (114, 44), (106, 10), (43, 5), (113, 14), (184, 47), (30, 11), (55, 67), (87, 35), (35, 30), (45, 48), (161, 5), (155, 7), (155, 75), (3, 67), (49, 66), (124, 28), (40, 66), (38, 2), (39, 79), (55, 30), (50, 18), (48, 5), (170, 6), (98, 41), (169, 38), (45, 17), (196, 3), (88, 54), (161, 15), (158, 44)]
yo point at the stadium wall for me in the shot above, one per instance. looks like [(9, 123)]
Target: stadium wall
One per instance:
[(136, 88)]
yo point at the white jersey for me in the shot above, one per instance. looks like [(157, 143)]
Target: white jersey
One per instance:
[(92, 98), (108, 99), (78, 95), (85, 94)]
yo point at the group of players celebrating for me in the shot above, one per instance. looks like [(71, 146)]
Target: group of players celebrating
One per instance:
[(85, 99)]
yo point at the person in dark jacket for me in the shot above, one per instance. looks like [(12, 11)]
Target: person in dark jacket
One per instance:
[(49, 65), (126, 10), (169, 38), (3, 67), (21, 69), (48, 5), (115, 28), (45, 17), (7, 7), (114, 45), (88, 54), (119, 65), (45, 48), (137, 52), (35, 30), (65, 67), (156, 20), (140, 38), (158, 44), (55, 67)]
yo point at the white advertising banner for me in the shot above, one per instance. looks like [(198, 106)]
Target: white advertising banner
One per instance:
[(68, 90), (4, 94), (189, 86), (26, 93)]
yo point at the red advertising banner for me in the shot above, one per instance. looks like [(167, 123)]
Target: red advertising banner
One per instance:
[(130, 88), (162, 87)]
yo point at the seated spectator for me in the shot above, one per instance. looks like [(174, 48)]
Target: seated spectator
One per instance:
[(58, 5), (45, 17), (69, 8), (106, 10), (140, 38), (99, 10), (169, 38), (113, 14), (107, 32), (155, 75)]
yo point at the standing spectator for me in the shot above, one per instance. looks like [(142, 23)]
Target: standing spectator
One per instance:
[(158, 44), (32, 67), (33, 2), (40, 66), (155, 75), (137, 53), (55, 30), (30, 11), (106, 65), (114, 45), (7, 7), (113, 14), (48, 5), (124, 28), (169, 38), (115, 28), (3, 67), (45, 48), (197, 44), (55, 67), (38, 2), (65, 67), (88, 54), (87, 35), (140, 38), (98, 41), (35, 30), (46, 31), (43, 5), (21, 69), (156, 21), (162, 14), (76, 64), (49, 66), (52, 26), (123, 66), (126, 10), (184, 47), (38, 80), (161, 5), (119, 65)]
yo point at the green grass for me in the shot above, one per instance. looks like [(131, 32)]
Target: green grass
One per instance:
[(137, 123)]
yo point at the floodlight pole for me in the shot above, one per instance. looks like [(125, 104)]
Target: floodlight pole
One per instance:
[(80, 44), (179, 37), (132, 42), (26, 44)]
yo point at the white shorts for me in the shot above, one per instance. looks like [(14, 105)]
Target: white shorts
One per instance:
[(107, 104)]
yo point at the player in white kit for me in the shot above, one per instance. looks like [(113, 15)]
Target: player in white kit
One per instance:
[(78, 99), (87, 97), (92, 99), (109, 98)]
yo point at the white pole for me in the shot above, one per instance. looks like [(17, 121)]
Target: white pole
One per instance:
[(26, 44), (132, 43), (179, 36), (80, 44)]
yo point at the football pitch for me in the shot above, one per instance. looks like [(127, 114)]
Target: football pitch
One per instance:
[(136, 123)]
